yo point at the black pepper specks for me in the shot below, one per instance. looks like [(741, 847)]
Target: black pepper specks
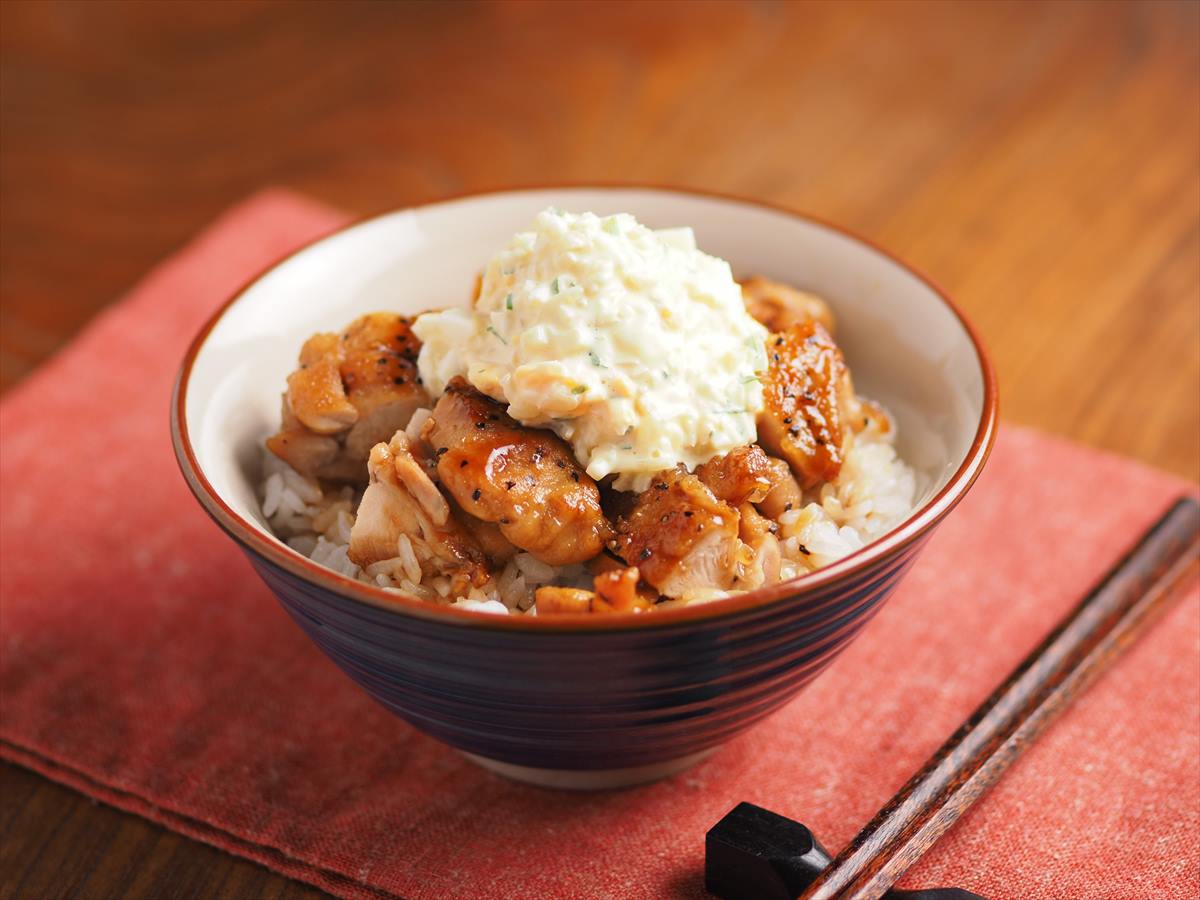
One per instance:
[(481, 425), (575, 477), (509, 485), (805, 550), (645, 554), (660, 485), (476, 494)]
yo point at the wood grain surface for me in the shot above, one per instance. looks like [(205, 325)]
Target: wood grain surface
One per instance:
[(1039, 160)]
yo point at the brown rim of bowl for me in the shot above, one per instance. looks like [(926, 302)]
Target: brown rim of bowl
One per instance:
[(278, 553)]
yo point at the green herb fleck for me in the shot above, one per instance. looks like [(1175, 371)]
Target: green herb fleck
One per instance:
[(579, 389), (610, 225), (554, 286), (497, 334), (750, 379), (627, 446), (508, 301), (596, 360)]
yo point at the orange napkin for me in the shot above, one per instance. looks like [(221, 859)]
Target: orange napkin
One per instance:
[(144, 664)]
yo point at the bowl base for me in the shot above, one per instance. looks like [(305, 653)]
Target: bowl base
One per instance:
[(589, 779)]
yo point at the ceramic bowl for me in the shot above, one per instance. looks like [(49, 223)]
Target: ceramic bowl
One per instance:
[(583, 701)]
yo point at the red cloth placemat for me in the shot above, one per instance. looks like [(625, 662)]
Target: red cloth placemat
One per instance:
[(144, 664)]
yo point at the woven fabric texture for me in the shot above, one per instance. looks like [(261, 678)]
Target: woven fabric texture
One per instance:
[(144, 664)]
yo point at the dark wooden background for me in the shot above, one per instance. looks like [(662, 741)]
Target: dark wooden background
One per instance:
[(1040, 160)]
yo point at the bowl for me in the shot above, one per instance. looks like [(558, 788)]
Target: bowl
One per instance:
[(607, 700)]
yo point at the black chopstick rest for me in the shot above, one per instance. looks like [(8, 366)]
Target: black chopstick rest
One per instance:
[(755, 854)]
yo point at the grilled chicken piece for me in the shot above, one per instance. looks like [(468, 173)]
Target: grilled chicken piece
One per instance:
[(523, 479), (616, 590), (401, 500), (779, 306), (765, 558), (551, 600), (315, 392), (305, 451), (381, 378), (809, 402), (351, 392), (786, 493), (750, 480), (491, 540), (681, 537), (741, 475)]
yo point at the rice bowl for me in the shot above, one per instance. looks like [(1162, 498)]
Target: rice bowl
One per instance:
[(639, 365)]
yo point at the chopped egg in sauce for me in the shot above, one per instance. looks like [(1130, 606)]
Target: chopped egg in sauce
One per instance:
[(631, 344)]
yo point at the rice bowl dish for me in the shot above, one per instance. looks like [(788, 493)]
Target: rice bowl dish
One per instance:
[(615, 424)]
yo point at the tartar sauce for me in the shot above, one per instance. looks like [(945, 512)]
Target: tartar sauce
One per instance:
[(631, 344)]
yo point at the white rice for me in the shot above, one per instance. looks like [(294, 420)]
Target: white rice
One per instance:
[(873, 493)]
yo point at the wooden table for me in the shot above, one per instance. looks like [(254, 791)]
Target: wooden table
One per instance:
[(1041, 161)]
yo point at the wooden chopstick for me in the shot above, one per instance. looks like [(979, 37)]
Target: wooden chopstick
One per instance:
[(1091, 637)]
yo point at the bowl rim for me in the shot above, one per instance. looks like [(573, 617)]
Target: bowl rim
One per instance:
[(914, 527)]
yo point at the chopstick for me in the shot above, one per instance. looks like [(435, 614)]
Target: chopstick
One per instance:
[(1091, 637)]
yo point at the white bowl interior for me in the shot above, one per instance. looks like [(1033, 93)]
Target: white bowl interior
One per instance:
[(905, 347)]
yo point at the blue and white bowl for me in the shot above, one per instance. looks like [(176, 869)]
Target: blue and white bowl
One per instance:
[(612, 699)]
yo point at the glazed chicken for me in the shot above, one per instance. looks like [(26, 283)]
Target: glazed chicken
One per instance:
[(681, 537), (401, 501), (761, 557), (809, 402), (745, 478), (786, 493), (745, 474), (487, 535), (523, 479), (616, 589), (779, 306), (350, 392)]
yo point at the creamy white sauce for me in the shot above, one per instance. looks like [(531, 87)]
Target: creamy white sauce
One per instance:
[(631, 344)]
